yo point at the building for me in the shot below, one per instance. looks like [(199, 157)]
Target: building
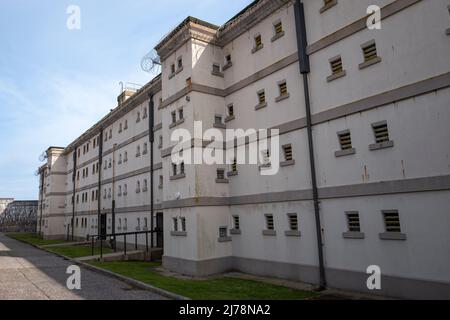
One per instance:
[(364, 172), (4, 202)]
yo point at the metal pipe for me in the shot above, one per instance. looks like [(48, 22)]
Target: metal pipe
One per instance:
[(302, 43), (151, 126)]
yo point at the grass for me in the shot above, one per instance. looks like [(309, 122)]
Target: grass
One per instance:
[(78, 251), (33, 239), (220, 288)]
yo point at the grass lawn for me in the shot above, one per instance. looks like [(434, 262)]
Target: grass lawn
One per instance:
[(220, 288), (32, 238), (78, 251)]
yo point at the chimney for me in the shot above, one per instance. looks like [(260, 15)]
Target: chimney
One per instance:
[(124, 96)]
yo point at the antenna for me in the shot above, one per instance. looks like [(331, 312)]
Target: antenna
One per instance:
[(151, 62)]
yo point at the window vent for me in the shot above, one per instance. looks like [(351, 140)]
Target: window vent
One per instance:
[(293, 221), (381, 132), (269, 222), (234, 165), (183, 224), (370, 52), (220, 174), (278, 28), (288, 152), (345, 140), (258, 41), (262, 97), (336, 66), (392, 221), (236, 222), (283, 89), (353, 222)]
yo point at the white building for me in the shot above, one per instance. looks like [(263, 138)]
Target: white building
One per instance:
[(379, 103)]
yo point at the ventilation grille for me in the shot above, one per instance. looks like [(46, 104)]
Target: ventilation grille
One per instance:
[(262, 97), (392, 221), (381, 132), (293, 222), (278, 28), (269, 222), (353, 222), (288, 153), (336, 66), (345, 140), (370, 52), (236, 222)]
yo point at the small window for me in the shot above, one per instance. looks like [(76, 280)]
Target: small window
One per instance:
[(172, 69), (161, 182), (278, 28), (293, 221), (223, 232), (218, 120), (160, 145), (381, 132), (392, 221), (345, 140), (180, 114), (174, 169), (262, 97), (174, 117), (183, 224), (216, 68), (230, 110), (145, 148), (180, 63), (145, 185), (236, 223), (287, 149), (258, 41), (353, 222), (126, 125), (336, 66), (125, 189), (269, 222), (228, 59), (125, 158), (175, 224), (138, 187), (220, 174), (370, 52), (138, 118), (182, 168), (145, 114), (283, 88)]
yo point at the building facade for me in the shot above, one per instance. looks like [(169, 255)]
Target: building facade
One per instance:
[(364, 156)]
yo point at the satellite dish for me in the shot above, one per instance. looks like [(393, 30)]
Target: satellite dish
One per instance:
[(151, 62), (43, 157)]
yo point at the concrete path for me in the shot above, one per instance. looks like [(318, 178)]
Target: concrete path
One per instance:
[(27, 273)]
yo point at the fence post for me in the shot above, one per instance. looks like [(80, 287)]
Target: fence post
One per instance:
[(125, 243), (101, 248), (92, 245), (135, 241), (146, 241)]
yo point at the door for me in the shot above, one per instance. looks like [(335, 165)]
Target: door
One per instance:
[(159, 229)]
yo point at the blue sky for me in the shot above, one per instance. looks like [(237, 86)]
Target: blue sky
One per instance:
[(55, 83)]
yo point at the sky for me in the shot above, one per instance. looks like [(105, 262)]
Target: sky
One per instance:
[(57, 82)]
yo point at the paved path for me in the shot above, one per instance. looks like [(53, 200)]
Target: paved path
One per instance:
[(29, 273)]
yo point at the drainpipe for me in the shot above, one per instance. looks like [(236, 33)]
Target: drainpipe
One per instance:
[(100, 168), (74, 180), (302, 43), (151, 125), (113, 204), (42, 201)]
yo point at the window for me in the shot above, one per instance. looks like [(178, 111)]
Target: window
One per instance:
[(220, 174), (175, 224), (109, 193), (392, 221), (180, 114), (120, 191), (381, 132), (228, 59), (138, 118), (353, 222), (145, 114), (120, 224), (182, 168), (174, 169), (288, 156), (370, 54), (278, 28), (161, 182), (138, 187), (160, 145), (120, 158), (126, 125), (125, 224), (258, 41), (345, 140), (180, 63), (218, 120), (183, 224), (172, 70), (234, 165), (138, 151), (145, 223), (236, 223), (145, 148), (125, 189), (174, 117), (120, 128), (138, 224), (223, 232), (145, 185), (230, 109), (110, 133), (293, 221), (336, 65), (216, 70), (282, 87), (269, 222), (262, 97)]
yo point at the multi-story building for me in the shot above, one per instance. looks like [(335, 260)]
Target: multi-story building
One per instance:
[(364, 158)]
